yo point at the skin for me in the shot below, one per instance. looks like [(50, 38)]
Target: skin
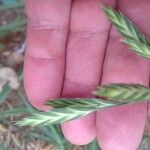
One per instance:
[(71, 49)]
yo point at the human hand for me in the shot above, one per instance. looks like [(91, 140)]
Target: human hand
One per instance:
[(71, 49)]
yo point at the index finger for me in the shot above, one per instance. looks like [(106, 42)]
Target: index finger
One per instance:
[(47, 32)]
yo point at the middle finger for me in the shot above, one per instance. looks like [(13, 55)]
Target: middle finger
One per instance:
[(86, 46)]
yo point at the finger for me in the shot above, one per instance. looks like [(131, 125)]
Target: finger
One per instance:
[(45, 55), (121, 128), (86, 46)]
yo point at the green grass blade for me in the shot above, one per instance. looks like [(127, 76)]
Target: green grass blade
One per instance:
[(3, 147), (7, 29), (57, 134), (145, 143), (33, 135), (12, 6), (5, 92), (25, 102), (92, 146), (13, 111), (2, 46), (133, 37)]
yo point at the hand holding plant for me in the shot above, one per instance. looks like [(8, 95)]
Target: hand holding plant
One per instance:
[(70, 56)]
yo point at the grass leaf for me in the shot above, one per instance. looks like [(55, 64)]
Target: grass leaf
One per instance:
[(7, 29), (13, 111), (92, 146), (4, 93), (12, 6)]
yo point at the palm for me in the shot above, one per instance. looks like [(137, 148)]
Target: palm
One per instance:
[(71, 49)]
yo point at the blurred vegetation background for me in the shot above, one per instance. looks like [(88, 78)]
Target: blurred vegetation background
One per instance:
[(13, 102)]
